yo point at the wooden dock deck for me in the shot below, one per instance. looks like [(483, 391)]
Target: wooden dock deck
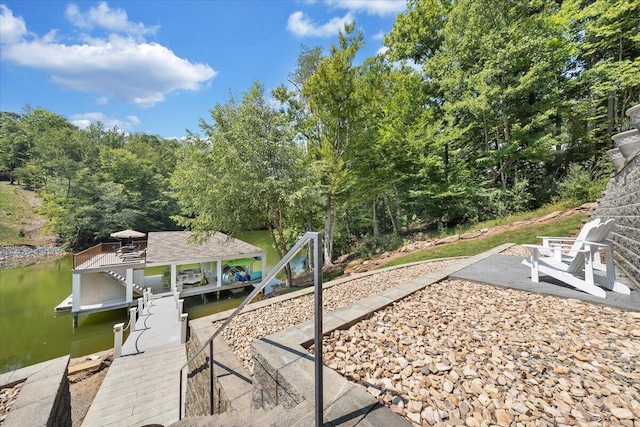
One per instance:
[(142, 387)]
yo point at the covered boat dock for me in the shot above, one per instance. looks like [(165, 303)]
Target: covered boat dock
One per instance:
[(110, 276)]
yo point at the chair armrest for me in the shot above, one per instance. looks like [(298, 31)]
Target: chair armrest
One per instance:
[(559, 245), (558, 239), (604, 243)]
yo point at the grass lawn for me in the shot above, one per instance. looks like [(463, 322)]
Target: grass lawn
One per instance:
[(16, 215), (524, 234)]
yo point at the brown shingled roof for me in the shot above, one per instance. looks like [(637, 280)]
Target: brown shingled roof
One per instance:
[(170, 246)]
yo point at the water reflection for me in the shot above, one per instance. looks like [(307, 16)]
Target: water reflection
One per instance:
[(30, 331)]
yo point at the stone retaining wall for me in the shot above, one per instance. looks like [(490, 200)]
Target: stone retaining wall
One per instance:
[(621, 201), (44, 399), (197, 393)]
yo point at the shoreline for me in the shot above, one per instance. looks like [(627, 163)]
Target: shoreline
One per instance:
[(16, 256)]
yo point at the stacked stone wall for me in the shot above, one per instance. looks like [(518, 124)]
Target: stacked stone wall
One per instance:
[(197, 393), (44, 399), (621, 201)]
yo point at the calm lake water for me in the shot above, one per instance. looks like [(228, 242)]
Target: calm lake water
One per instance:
[(30, 331)]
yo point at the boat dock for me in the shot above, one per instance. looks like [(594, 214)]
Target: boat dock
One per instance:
[(142, 387)]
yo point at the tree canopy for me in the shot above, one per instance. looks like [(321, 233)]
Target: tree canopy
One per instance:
[(476, 109)]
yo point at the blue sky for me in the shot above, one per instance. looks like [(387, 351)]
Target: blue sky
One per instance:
[(158, 67)]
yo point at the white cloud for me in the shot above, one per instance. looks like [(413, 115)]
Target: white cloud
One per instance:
[(102, 16), (103, 100), (83, 121), (379, 36), (300, 25), (12, 28), (372, 7), (382, 50), (122, 67)]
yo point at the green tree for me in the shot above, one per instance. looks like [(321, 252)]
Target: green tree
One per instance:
[(243, 174), (14, 144), (495, 75), (609, 43), (331, 92)]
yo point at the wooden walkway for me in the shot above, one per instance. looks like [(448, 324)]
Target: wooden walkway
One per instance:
[(142, 386)]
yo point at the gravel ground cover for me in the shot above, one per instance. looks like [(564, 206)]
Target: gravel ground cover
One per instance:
[(28, 251), (247, 327), (462, 353), (517, 250), (8, 396), (22, 255)]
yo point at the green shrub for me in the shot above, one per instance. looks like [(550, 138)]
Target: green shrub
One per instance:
[(583, 183), (496, 203), (369, 246)]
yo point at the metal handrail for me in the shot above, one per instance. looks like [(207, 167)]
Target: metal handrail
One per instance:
[(308, 236)]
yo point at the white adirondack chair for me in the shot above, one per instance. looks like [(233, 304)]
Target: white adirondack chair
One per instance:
[(558, 247), (584, 271)]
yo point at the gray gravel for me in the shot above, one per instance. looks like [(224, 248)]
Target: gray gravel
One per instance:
[(21, 255), (463, 353), (28, 251), (246, 327)]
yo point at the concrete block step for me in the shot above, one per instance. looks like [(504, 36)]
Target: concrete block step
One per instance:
[(123, 281), (301, 415)]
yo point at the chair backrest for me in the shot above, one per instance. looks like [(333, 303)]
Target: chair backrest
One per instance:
[(583, 236), (595, 234), (603, 231)]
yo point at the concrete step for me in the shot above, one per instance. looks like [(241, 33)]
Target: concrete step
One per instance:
[(301, 415), (123, 281)]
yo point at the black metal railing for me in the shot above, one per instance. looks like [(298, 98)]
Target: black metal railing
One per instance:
[(317, 281)]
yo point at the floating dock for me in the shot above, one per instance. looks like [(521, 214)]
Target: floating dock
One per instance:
[(142, 387)]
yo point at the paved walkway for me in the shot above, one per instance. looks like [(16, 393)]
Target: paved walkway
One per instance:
[(507, 271), (142, 387)]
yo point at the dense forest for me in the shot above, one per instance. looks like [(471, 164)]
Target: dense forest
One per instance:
[(476, 109)]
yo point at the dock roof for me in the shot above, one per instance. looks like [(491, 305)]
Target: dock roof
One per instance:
[(171, 246)]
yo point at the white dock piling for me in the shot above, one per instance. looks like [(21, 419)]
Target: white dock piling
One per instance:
[(117, 339), (183, 327), (180, 304), (132, 318)]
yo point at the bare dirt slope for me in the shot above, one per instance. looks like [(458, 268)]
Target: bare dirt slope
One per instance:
[(20, 222)]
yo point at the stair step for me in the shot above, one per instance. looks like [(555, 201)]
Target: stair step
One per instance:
[(279, 416), (123, 281)]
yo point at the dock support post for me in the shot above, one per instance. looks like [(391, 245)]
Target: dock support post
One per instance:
[(76, 288), (140, 305), (129, 283), (75, 320), (176, 297), (117, 339), (133, 318), (183, 327), (180, 304), (145, 298)]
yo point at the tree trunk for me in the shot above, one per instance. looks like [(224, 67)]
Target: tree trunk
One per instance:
[(610, 113), (310, 256), (328, 230), (280, 245), (396, 231), (376, 229)]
